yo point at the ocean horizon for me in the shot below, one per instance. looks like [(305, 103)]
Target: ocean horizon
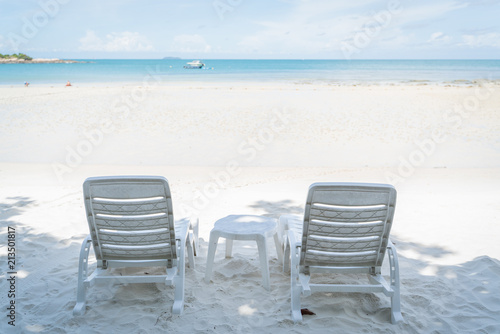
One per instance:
[(335, 72)]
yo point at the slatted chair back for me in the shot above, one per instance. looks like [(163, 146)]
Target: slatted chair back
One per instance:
[(347, 225), (130, 218)]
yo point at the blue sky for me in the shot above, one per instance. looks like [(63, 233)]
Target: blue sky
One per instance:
[(282, 29)]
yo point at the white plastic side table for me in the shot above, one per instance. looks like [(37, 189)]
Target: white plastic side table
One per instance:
[(244, 227)]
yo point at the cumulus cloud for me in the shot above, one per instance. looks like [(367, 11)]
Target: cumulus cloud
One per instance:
[(190, 43), (115, 41), (491, 39)]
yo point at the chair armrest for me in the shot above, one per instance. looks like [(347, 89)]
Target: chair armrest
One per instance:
[(294, 245), (393, 264), (181, 229)]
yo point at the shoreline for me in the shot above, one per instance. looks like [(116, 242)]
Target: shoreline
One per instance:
[(182, 83), (38, 61), (248, 72)]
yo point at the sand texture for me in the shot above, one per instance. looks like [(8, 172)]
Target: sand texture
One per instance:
[(254, 149)]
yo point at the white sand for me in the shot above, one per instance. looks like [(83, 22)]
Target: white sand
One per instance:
[(440, 146)]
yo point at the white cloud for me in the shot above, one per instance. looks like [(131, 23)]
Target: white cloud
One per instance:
[(302, 34), (113, 42), (319, 28), (424, 12), (190, 43), (489, 39), (439, 37)]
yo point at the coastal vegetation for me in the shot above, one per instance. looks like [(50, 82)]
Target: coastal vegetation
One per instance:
[(16, 56), (23, 58)]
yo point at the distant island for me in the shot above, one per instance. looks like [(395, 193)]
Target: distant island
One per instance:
[(171, 58), (21, 58)]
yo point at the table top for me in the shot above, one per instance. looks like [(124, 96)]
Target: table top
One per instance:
[(246, 224)]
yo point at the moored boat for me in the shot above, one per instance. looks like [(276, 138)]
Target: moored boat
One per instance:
[(194, 64)]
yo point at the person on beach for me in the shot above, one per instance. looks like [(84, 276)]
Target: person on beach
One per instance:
[(26, 84), (68, 83)]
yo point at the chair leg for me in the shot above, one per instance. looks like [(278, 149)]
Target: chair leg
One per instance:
[(190, 249), (295, 287), (79, 308), (286, 256), (195, 227), (396, 315), (212, 247), (179, 281), (264, 264)]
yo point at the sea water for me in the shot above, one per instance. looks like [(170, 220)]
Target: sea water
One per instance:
[(220, 70)]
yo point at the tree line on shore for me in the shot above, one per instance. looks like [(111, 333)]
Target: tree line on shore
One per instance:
[(18, 56)]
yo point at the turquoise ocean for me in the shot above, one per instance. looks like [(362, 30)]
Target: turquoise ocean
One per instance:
[(227, 70)]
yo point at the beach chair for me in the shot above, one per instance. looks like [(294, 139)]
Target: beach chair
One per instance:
[(345, 230), (132, 225)]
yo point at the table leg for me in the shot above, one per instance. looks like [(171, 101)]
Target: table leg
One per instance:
[(279, 247), (264, 264), (212, 246), (229, 247)]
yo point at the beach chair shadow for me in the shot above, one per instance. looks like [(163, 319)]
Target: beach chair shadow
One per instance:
[(345, 230), (131, 224)]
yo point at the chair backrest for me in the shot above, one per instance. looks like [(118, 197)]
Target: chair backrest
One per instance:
[(347, 224), (130, 218)]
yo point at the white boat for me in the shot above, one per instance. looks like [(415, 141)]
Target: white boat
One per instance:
[(194, 64)]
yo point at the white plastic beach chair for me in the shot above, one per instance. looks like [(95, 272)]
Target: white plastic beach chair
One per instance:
[(345, 229), (131, 225)]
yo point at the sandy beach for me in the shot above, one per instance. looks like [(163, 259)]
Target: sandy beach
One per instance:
[(249, 148)]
